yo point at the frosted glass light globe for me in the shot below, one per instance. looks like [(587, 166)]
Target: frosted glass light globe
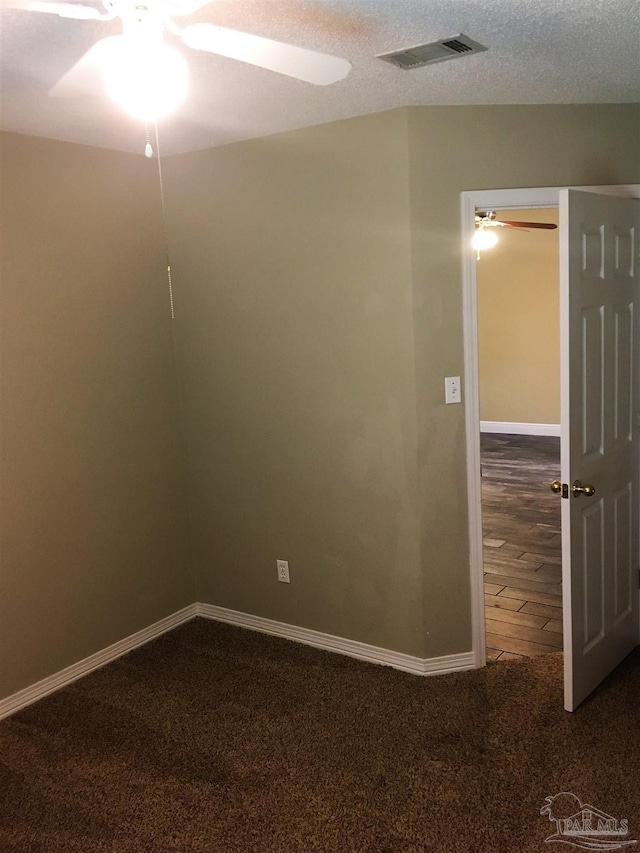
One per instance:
[(483, 239), (147, 78)]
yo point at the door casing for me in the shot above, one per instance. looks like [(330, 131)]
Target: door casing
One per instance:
[(470, 202)]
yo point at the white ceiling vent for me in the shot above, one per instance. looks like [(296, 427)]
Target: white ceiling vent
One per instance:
[(437, 51)]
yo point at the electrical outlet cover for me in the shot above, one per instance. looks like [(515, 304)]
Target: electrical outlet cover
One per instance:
[(283, 571)]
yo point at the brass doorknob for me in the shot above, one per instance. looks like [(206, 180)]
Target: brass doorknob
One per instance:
[(578, 489), (556, 487)]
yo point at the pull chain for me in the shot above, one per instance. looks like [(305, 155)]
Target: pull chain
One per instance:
[(148, 150), (149, 153)]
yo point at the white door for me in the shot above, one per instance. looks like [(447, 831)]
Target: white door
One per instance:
[(600, 365)]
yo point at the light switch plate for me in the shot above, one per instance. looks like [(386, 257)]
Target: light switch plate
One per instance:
[(452, 392)]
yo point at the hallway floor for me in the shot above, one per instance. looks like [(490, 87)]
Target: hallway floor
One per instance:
[(522, 545)]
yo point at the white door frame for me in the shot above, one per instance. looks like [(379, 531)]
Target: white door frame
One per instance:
[(470, 202)]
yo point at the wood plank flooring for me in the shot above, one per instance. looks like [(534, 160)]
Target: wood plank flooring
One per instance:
[(522, 545)]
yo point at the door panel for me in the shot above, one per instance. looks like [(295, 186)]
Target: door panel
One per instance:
[(593, 392), (599, 446), (622, 409), (622, 502)]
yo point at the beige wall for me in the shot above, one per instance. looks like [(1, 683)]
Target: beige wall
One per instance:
[(291, 262), (519, 323), (94, 537)]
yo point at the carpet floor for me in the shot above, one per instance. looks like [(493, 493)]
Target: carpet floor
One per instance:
[(217, 739)]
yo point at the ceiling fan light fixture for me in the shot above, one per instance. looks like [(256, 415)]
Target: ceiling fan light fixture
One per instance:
[(148, 80)]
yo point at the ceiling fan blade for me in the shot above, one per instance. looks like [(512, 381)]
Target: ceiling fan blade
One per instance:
[(86, 76), (513, 224), (298, 62), (64, 10)]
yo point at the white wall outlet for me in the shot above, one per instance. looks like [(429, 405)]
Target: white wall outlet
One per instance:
[(452, 389), (283, 571)]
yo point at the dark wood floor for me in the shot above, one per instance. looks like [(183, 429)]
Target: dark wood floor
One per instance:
[(522, 545)]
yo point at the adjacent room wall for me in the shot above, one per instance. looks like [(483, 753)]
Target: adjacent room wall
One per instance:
[(94, 527), (519, 323)]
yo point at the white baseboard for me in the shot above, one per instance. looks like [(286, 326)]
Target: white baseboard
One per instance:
[(331, 643), (77, 670), (508, 428), (327, 642)]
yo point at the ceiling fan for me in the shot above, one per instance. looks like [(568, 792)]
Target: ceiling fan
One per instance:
[(140, 59), (485, 220)]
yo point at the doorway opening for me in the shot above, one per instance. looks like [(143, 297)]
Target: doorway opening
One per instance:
[(518, 323), (504, 200)]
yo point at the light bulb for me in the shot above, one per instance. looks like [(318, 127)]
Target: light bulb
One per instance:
[(483, 239), (147, 78)]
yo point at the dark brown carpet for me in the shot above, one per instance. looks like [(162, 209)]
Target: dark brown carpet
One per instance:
[(213, 738)]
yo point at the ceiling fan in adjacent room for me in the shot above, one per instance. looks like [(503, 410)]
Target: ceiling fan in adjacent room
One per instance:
[(147, 76), (485, 221)]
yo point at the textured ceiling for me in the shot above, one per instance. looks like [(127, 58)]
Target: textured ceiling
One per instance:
[(543, 51)]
